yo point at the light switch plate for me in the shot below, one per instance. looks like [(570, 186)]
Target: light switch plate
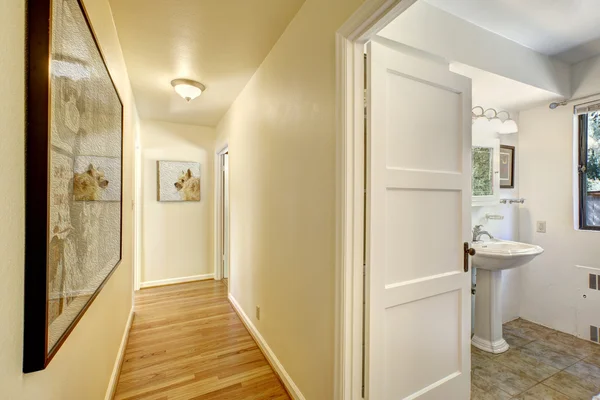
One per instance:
[(541, 226), (258, 312)]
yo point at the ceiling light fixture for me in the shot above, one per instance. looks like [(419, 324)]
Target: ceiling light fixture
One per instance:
[(508, 126), (187, 88), (505, 127)]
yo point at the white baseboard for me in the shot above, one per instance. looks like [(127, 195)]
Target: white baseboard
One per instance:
[(172, 281), (266, 350), (114, 378)]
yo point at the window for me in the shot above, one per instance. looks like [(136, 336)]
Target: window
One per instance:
[(589, 167)]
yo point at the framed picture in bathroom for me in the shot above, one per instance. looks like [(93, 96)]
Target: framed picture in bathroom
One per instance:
[(74, 175), (507, 167)]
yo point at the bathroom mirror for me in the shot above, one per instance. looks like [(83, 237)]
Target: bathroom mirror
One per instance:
[(485, 170)]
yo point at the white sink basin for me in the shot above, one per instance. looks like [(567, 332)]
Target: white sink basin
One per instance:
[(490, 258), (498, 254)]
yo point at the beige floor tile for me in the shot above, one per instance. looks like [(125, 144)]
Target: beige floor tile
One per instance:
[(477, 359), (519, 361), (475, 350), (586, 371), (594, 358), (527, 329), (572, 386), (541, 392), (494, 394), (481, 383), (493, 374), (515, 341), (548, 355), (570, 344)]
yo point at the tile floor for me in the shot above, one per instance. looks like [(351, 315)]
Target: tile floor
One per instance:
[(541, 364)]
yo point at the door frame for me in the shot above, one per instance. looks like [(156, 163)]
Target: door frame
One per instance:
[(219, 214), (362, 26)]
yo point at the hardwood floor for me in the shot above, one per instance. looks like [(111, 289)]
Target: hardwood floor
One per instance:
[(187, 342)]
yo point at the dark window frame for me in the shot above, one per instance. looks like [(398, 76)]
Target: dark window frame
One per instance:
[(581, 169)]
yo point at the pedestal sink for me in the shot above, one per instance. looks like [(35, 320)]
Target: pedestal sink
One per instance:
[(490, 259)]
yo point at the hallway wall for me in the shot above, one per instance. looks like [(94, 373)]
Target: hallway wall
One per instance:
[(177, 238), (282, 146), (83, 366)]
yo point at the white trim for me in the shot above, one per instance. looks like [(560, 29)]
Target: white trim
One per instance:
[(217, 211), (137, 212), (114, 377), (266, 350), (362, 26), (172, 281)]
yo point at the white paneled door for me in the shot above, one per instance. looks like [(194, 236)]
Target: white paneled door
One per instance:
[(418, 294)]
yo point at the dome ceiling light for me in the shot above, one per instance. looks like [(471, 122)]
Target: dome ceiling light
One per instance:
[(187, 88)]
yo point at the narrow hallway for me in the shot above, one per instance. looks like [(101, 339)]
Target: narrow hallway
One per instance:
[(187, 342)]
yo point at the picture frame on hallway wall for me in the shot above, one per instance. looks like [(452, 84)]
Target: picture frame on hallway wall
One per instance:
[(74, 175), (178, 181), (507, 167)]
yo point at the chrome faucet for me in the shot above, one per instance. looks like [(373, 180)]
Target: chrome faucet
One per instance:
[(478, 233)]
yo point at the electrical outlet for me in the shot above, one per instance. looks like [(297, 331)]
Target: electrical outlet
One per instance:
[(541, 226), (258, 312)]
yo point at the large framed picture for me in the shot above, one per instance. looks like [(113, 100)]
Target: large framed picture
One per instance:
[(74, 170), (507, 167)]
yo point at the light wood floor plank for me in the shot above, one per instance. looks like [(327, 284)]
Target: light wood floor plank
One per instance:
[(187, 342)]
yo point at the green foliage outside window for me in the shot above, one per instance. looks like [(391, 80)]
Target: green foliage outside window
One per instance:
[(593, 151), (482, 171)]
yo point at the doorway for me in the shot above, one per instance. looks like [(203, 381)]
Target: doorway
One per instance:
[(416, 301), (223, 216)]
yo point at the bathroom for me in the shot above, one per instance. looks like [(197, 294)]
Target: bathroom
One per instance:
[(535, 96)]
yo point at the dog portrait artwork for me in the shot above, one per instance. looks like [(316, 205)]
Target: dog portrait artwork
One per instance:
[(97, 179), (87, 185), (178, 181), (188, 186)]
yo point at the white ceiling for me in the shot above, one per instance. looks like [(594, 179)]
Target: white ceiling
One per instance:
[(491, 90), (550, 27), (220, 43)]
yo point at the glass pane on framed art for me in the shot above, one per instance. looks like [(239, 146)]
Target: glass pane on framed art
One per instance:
[(84, 215)]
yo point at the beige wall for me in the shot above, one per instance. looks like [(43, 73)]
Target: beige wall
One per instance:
[(177, 237), (282, 145), (82, 367)]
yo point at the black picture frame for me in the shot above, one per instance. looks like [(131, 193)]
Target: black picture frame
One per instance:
[(510, 150), (36, 355)]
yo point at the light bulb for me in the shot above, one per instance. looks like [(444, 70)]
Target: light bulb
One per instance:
[(496, 123), (509, 126)]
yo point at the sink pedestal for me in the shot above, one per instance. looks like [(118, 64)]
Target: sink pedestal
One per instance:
[(488, 312)]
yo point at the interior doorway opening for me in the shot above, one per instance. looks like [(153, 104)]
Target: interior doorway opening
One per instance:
[(223, 217), (433, 96)]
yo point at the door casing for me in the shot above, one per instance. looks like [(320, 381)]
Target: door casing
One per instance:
[(362, 26), (218, 231)]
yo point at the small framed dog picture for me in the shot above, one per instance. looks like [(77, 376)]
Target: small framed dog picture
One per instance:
[(178, 181)]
